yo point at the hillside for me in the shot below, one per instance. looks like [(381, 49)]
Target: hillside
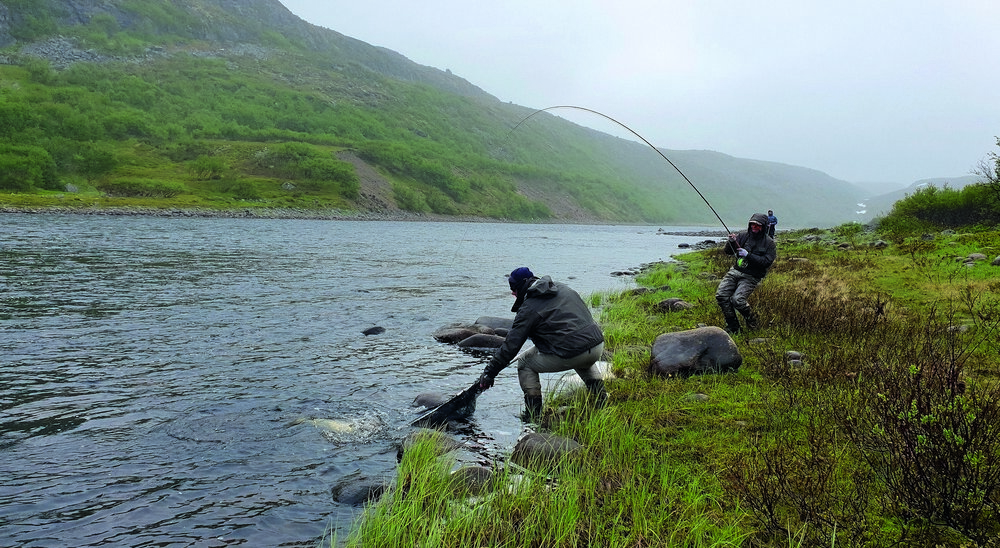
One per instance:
[(226, 103)]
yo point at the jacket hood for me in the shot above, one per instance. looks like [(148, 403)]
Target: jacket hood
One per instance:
[(543, 287), (758, 218)]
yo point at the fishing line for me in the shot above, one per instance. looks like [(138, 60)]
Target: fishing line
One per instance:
[(633, 132)]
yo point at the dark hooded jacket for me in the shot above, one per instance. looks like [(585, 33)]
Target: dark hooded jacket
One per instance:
[(556, 320), (761, 248)]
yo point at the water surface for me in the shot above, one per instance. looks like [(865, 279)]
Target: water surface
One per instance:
[(155, 372)]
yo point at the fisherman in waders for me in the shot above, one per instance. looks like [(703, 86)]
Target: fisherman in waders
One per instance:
[(563, 331), (755, 251)]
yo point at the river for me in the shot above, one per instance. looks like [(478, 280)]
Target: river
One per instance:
[(155, 372)]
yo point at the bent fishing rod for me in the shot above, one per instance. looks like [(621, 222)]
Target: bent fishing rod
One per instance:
[(630, 130)]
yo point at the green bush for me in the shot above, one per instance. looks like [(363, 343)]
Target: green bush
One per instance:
[(208, 167), (315, 169), (341, 174), (945, 207), (95, 159), (409, 199), (25, 167), (187, 150), (290, 154), (928, 431), (440, 203), (141, 188), (34, 22), (240, 189), (407, 161), (15, 117)]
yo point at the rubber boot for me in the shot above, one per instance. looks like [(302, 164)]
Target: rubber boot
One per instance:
[(596, 389), (752, 321), (732, 325), (532, 409)]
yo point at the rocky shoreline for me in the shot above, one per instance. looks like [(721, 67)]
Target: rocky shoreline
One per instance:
[(306, 214), (244, 213)]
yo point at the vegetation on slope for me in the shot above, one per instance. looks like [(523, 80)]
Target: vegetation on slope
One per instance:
[(185, 104)]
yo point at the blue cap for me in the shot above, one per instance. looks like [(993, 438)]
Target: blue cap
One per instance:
[(518, 276)]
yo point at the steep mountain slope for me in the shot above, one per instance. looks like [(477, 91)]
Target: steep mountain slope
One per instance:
[(440, 143)]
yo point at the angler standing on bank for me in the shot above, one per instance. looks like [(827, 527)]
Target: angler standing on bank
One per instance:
[(772, 222), (755, 251)]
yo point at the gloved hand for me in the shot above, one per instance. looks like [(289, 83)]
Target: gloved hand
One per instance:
[(485, 381), (742, 252)]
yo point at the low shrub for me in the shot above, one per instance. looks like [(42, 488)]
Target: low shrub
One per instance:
[(25, 167), (141, 188)]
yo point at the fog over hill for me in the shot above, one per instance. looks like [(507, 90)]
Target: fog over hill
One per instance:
[(58, 31)]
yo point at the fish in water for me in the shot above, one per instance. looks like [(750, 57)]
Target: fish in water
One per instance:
[(359, 429), (330, 425), (377, 330), (430, 400)]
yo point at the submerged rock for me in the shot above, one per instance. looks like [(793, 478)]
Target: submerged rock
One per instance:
[(481, 340), (495, 322), (454, 334), (357, 491)]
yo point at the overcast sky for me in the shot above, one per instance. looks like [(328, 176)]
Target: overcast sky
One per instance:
[(866, 91)]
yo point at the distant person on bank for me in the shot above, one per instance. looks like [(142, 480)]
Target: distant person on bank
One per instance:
[(772, 221), (755, 251), (563, 331)]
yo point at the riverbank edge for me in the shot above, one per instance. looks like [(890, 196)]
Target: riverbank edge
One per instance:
[(320, 215), (241, 213)]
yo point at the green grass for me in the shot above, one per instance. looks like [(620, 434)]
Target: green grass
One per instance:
[(886, 435)]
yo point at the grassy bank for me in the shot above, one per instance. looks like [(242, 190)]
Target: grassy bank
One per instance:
[(884, 433)]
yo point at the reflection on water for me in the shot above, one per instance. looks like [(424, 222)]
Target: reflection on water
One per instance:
[(177, 382)]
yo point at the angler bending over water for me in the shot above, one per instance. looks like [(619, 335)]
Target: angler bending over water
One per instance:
[(563, 331)]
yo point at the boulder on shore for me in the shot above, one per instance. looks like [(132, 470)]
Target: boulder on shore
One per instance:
[(694, 352), (540, 450)]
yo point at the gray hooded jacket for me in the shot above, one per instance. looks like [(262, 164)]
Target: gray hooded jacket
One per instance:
[(556, 320), (761, 248)]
